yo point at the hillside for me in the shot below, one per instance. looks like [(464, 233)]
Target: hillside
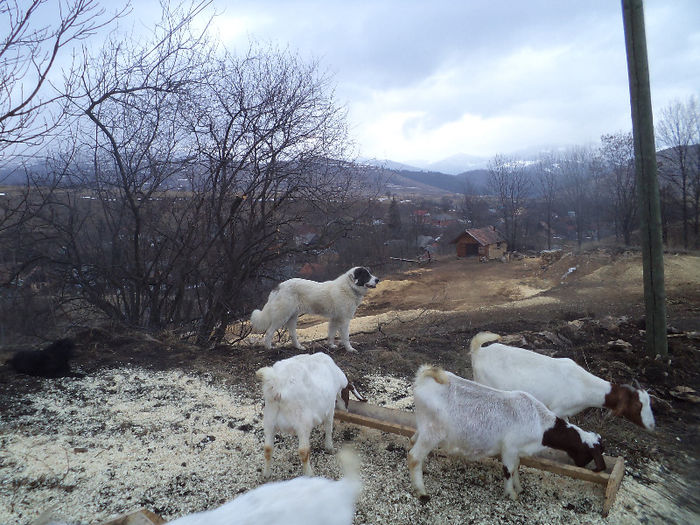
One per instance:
[(433, 183), (160, 424)]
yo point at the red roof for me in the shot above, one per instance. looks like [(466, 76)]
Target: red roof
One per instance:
[(484, 236)]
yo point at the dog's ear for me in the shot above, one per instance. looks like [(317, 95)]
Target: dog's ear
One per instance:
[(360, 276)]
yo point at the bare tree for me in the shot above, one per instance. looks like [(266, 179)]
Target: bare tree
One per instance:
[(575, 169), (473, 207), (547, 183), (129, 152), (28, 54), (268, 139), (617, 158), (31, 107), (393, 220), (512, 184), (36, 46), (193, 169), (677, 130)]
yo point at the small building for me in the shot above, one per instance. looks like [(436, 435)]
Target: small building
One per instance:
[(481, 242), (443, 220)]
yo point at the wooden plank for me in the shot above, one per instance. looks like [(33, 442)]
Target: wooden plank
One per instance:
[(613, 485), (391, 415), (559, 456), (566, 470), (371, 422)]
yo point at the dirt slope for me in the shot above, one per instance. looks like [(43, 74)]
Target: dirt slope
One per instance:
[(161, 424)]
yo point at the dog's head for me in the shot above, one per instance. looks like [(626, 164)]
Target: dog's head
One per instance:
[(361, 277)]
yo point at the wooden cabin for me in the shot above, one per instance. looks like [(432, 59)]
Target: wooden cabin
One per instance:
[(481, 242)]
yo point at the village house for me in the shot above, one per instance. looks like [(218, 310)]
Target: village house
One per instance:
[(443, 220), (480, 242)]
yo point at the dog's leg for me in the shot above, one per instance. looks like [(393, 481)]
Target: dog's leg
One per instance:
[(345, 336), (269, 334), (332, 330), (292, 328)]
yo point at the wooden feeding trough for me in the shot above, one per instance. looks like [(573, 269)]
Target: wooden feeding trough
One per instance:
[(403, 423)]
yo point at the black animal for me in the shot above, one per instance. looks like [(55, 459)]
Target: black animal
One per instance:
[(52, 361)]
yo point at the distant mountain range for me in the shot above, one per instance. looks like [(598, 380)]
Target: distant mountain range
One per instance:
[(460, 163), (453, 165), (432, 182)]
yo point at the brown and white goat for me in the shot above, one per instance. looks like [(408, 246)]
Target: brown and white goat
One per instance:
[(559, 383), (477, 421)]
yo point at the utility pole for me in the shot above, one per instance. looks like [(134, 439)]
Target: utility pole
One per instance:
[(647, 180)]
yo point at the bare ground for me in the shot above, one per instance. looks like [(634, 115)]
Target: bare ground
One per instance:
[(160, 424)]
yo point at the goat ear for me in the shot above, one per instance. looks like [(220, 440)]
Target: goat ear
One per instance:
[(345, 396), (599, 459), (622, 402)]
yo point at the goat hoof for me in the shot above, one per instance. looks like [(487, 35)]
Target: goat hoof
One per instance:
[(423, 498)]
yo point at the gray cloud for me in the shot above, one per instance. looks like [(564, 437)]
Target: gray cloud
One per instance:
[(443, 76)]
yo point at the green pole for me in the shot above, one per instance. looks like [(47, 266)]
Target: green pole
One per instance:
[(647, 181)]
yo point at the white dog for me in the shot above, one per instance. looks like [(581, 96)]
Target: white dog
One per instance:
[(337, 300)]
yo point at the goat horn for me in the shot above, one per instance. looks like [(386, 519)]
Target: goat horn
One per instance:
[(354, 391)]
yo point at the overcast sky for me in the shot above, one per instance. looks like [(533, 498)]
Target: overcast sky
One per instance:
[(425, 80)]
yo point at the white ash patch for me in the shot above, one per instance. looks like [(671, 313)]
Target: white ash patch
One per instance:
[(127, 438), (177, 443), (389, 391)]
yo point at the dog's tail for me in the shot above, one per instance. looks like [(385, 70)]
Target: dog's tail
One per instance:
[(479, 339), (259, 322)]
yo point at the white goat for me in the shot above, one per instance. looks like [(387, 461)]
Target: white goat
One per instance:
[(299, 501), (477, 421), (559, 383), (300, 393)]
